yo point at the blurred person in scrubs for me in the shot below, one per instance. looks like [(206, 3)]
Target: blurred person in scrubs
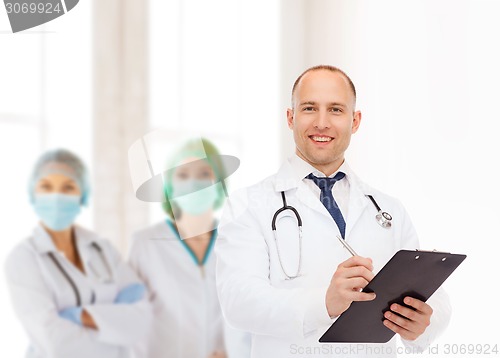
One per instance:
[(174, 258), (70, 289)]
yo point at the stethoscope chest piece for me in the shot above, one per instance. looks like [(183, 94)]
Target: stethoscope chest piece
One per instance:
[(383, 218)]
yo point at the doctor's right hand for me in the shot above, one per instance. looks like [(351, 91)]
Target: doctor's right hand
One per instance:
[(347, 282)]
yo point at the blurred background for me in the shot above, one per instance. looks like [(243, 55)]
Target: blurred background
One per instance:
[(106, 74)]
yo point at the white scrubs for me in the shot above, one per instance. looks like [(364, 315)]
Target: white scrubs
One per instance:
[(188, 321), (39, 291)]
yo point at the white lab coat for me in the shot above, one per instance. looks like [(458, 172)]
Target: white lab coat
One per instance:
[(39, 291), (188, 321), (287, 317)]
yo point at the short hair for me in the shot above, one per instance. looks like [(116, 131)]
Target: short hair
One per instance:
[(328, 68)]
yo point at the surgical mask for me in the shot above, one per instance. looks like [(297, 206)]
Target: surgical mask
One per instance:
[(194, 196), (57, 211)]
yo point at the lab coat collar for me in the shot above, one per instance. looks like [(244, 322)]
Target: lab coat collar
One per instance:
[(43, 242), (295, 169)]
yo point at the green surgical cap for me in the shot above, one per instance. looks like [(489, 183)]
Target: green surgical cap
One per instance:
[(203, 149)]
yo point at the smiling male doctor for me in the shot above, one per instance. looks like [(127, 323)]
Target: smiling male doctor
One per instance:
[(288, 291)]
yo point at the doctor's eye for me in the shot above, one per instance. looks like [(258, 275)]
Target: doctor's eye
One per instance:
[(205, 174), (336, 110), (68, 188), (182, 175), (44, 187), (308, 109)]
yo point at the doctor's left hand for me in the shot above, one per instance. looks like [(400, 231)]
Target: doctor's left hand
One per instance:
[(414, 321), (73, 314)]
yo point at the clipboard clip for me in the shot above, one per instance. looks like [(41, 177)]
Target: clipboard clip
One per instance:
[(434, 250)]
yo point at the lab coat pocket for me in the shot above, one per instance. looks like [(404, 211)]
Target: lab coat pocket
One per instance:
[(286, 247)]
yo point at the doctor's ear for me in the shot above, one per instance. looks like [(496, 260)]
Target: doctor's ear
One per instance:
[(356, 121), (289, 117)]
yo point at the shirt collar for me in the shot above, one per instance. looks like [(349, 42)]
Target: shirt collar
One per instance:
[(301, 169)]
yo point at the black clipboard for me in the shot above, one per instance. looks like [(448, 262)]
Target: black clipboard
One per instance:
[(408, 273)]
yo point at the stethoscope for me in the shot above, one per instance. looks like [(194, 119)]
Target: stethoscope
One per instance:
[(72, 282), (383, 218)]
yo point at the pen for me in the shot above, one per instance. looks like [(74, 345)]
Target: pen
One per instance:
[(346, 245)]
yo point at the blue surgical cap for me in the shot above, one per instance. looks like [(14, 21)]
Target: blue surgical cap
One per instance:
[(60, 161)]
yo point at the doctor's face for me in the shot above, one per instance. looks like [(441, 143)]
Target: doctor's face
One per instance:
[(323, 118)]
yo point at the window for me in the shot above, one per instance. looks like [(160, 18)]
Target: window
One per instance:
[(46, 103), (214, 71)]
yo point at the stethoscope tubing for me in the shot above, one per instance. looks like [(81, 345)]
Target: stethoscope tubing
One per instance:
[(68, 278), (283, 208), (383, 219)]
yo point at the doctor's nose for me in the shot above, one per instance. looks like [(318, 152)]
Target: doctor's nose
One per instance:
[(322, 120)]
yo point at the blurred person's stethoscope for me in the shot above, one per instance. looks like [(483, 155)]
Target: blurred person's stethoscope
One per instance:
[(72, 283), (383, 218)]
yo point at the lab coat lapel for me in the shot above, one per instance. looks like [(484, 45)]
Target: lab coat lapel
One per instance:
[(307, 198), (42, 241), (83, 241), (91, 259), (357, 203)]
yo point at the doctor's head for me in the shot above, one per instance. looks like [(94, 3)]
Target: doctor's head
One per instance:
[(193, 186), (323, 116), (58, 187)]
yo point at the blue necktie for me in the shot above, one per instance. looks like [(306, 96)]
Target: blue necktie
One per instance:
[(326, 185)]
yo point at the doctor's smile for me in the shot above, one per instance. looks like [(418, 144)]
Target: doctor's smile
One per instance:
[(321, 139)]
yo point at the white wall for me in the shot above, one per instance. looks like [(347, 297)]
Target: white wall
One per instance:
[(217, 76)]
